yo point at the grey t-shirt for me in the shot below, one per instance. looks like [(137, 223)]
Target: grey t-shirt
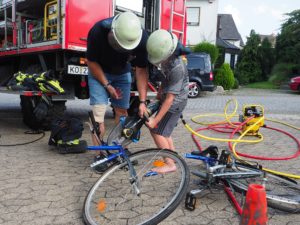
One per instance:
[(175, 80)]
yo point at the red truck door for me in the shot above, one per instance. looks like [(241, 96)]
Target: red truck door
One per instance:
[(80, 16), (173, 17)]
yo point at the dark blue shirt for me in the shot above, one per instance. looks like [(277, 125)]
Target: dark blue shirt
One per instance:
[(112, 61)]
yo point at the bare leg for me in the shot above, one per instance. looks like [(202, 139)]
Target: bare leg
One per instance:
[(102, 132), (99, 113), (161, 141), (164, 143), (118, 113), (171, 144)]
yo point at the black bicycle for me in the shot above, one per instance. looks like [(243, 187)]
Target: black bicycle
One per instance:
[(128, 192), (282, 193)]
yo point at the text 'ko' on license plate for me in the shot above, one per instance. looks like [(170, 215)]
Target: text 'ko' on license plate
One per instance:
[(77, 70)]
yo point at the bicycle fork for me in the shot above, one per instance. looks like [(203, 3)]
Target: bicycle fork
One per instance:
[(133, 178)]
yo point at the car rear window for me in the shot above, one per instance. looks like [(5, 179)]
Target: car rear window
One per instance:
[(202, 63)]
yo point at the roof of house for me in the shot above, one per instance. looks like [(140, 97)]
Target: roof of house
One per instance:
[(270, 37), (227, 29), (226, 44)]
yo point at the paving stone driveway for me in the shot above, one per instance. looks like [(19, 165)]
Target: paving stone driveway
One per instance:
[(39, 186)]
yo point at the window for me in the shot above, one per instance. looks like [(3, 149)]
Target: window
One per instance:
[(199, 62), (193, 16), (133, 5)]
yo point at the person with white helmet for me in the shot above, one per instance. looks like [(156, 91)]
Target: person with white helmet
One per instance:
[(164, 51), (113, 46)]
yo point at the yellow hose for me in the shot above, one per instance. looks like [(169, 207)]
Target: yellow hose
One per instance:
[(265, 169), (227, 117), (220, 139), (239, 140), (284, 123)]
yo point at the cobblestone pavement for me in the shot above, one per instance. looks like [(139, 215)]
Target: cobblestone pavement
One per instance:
[(39, 186)]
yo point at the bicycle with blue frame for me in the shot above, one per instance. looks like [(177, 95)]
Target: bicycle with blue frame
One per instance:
[(128, 192), (282, 193)]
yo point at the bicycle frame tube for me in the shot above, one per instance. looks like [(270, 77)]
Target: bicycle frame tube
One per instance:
[(207, 160), (133, 177), (105, 147), (109, 157)]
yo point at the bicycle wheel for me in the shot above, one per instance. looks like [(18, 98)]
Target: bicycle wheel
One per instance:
[(112, 199), (282, 193)]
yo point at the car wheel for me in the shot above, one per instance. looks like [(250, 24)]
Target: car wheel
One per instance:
[(194, 90)]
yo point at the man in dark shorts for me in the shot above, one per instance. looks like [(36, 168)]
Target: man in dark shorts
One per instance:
[(165, 51), (113, 46)]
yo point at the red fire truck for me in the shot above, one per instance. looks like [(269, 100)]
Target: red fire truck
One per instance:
[(42, 35)]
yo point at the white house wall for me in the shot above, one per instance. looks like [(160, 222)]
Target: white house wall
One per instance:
[(207, 28), (227, 58)]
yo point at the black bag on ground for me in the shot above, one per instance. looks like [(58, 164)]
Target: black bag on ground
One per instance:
[(65, 134)]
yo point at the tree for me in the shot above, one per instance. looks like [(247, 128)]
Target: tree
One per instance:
[(224, 77), (209, 48), (221, 58), (248, 67), (288, 41), (266, 58)]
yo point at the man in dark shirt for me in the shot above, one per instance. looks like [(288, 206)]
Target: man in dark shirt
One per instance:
[(114, 45)]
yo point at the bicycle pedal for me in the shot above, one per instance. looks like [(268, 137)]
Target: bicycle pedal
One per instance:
[(190, 202), (100, 168)]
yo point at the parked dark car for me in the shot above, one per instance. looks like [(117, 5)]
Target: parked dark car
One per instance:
[(200, 73), (295, 84)]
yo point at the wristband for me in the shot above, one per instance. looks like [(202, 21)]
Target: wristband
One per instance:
[(143, 102), (106, 86)]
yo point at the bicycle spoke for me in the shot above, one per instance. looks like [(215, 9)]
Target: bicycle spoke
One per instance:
[(113, 200), (282, 193)]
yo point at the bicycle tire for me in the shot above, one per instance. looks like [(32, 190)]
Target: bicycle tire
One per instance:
[(111, 199), (282, 193)]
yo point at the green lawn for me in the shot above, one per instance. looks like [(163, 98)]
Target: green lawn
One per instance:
[(262, 85)]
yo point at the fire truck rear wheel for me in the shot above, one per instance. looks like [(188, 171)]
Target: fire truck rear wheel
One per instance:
[(27, 107)]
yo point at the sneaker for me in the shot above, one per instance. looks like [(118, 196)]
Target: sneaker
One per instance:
[(103, 166)]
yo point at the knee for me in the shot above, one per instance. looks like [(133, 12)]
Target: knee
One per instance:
[(99, 113), (120, 112)]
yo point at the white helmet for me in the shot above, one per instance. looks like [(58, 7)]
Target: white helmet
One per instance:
[(160, 45), (127, 30)]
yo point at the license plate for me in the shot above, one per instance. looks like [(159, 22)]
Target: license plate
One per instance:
[(77, 70)]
